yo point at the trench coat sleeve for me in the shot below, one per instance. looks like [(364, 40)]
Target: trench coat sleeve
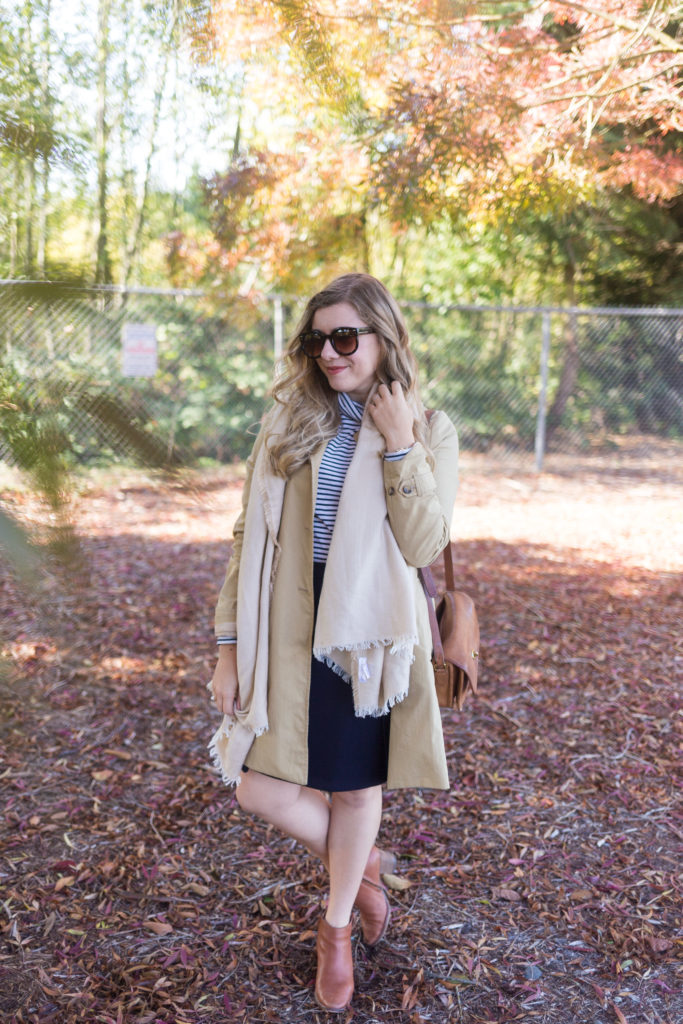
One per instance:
[(420, 499), (225, 620)]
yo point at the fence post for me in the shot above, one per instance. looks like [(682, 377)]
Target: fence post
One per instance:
[(539, 446), (278, 327)]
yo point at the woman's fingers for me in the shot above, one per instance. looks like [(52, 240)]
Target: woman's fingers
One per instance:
[(224, 686), (225, 702), (392, 415), (391, 390)]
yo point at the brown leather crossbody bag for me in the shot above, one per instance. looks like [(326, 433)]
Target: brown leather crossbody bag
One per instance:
[(455, 636)]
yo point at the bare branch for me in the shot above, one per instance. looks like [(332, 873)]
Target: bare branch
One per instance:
[(607, 94), (587, 72), (627, 24), (668, 43), (508, 51), (591, 121)]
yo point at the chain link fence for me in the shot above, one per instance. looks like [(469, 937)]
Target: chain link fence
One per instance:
[(522, 384)]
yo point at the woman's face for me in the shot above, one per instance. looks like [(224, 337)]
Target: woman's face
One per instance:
[(354, 374)]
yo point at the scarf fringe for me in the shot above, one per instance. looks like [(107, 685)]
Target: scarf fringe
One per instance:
[(224, 730), (218, 760), (337, 669), (373, 712), (402, 647)]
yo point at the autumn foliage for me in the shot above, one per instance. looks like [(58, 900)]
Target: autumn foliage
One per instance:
[(405, 112)]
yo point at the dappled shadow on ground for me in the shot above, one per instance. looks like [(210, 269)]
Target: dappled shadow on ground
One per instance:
[(541, 888)]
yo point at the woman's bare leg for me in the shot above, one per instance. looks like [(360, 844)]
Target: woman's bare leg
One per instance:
[(354, 823), (341, 833), (299, 812)]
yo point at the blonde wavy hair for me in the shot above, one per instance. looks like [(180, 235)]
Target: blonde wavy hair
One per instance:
[(312, 406)]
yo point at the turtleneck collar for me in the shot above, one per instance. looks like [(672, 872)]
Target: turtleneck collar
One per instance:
[(350, 409)]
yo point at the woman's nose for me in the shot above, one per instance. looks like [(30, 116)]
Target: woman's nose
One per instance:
[(328, 351)]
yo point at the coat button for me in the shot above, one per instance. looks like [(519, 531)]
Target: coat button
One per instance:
[(392, 490), (406, 489)]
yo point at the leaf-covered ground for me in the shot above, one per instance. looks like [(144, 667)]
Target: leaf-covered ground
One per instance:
[(545, 886)]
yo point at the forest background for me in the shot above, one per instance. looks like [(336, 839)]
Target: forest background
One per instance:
[(464, 152), (523, 153)]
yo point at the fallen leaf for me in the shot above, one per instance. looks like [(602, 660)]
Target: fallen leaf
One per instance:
[(580, 895), (511, 895), (619, 1014), (158, 927), (200, 890), (396, 882)]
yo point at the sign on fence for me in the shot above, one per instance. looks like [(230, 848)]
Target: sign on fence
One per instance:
[(139, 350)]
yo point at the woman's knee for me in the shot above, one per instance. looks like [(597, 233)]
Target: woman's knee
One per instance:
[(358, 799), (260, 794)]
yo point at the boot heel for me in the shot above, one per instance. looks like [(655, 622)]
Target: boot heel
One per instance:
[(372, 900), (387, 862)]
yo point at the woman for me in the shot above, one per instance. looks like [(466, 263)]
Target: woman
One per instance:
[(324, 674)]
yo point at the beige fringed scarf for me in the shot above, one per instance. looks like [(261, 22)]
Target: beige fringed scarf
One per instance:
[(366, 627)]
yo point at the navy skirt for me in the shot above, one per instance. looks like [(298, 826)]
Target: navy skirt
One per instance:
[(344, 752)]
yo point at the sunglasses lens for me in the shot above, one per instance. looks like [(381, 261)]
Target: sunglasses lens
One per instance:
[(344, 340), (313, 342)]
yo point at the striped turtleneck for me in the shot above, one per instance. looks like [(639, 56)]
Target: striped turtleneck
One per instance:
[(335, 462)]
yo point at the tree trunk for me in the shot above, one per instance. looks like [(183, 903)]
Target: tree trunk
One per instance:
[(45, 162), (364, 240), (238, 132), (179, 147), (102, 261), (14, 223), (127, 182), (572, 356), (29, 203), (29, 157), (132, 248), (41, 255)]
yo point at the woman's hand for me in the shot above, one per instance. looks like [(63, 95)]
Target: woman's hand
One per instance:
[(224, 682), (392, 416)]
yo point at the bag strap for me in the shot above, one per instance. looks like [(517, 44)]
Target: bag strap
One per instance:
[(448, 565), (427, 577), (427, 581), (429, 586)]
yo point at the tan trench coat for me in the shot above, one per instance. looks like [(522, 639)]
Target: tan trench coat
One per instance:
[(420, 506)]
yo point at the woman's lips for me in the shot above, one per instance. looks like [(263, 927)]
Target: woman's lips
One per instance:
[(334, 369)]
